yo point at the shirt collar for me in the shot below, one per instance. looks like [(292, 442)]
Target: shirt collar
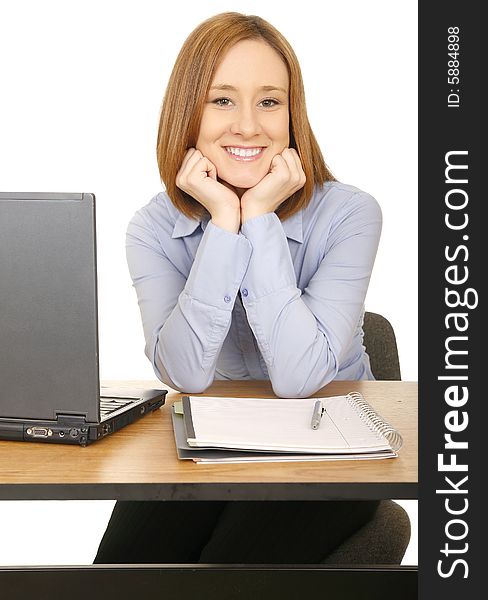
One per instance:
[(186, 226), (293, 226)]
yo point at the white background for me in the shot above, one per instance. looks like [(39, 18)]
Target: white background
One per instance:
[(81, 89)]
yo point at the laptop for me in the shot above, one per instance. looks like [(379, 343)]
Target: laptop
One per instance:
[(49, 360)]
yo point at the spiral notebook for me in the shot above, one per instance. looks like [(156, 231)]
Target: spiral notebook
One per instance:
[(212, 429)]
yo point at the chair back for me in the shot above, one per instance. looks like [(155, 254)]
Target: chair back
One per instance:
[(380, 343)]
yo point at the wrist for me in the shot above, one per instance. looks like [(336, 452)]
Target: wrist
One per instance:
[(250, 213), (229, 220)]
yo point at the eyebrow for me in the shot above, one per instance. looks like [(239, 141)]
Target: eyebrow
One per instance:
[(263, 88)]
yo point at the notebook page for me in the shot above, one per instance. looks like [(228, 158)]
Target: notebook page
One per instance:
[(354, 429), (273, 424)]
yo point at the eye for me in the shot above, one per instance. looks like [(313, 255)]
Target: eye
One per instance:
[(269, 103), (224, 102)]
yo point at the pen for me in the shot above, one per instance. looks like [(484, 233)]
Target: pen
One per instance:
[(318, 411)]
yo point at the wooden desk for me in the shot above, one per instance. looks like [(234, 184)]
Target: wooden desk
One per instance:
[(140, 461)]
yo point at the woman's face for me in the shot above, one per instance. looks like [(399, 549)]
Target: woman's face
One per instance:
[(245, 120)]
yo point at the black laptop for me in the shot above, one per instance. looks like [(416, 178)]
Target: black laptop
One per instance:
[(49, 364)]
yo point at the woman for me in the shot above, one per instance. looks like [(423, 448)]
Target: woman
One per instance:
[(254, 264)]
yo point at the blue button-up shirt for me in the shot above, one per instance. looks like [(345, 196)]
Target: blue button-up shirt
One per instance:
[(279, 300)]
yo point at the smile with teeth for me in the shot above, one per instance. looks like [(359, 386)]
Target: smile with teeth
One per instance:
[(245, 154)]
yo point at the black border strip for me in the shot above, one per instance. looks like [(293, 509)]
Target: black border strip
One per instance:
[(452, 126), (216, 582)]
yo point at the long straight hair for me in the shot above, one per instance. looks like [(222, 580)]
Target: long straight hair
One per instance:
[(186, 95)]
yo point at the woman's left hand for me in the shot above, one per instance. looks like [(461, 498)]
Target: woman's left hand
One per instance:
[(285, 177)]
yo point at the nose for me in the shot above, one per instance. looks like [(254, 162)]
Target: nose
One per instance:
[(245, 122)]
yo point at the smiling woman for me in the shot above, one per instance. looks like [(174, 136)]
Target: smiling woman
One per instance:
[(238, 72), (242, 132), (242, 281), (254, 263), (243, 139)]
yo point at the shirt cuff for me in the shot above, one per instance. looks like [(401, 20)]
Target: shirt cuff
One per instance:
[(271, 266), (219, 266)]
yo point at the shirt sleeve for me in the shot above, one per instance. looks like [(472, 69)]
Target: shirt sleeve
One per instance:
[(304, 336), (185, 320)]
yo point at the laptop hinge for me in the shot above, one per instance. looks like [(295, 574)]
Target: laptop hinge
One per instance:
[(74, 419)]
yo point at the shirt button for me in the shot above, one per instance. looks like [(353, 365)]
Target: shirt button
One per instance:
[(227, 298), (245, 292)]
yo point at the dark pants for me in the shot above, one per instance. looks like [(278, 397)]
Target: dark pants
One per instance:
[(271, 532)]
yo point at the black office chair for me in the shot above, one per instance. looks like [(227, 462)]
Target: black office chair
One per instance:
[(380, 343), (385, 538)]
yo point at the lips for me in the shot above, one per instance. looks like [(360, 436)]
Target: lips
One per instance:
[(244, 154)]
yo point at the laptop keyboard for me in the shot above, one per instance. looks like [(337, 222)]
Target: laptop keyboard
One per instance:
[(110, 405)]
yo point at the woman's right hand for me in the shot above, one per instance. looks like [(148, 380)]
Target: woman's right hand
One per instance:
[(198, 177)]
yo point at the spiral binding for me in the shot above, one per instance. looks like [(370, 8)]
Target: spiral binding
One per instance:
[(374, 421)]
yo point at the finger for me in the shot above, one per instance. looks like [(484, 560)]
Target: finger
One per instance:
[(192, 156), (297, 173), (208, 166), (289, 157), (193, 159), (292, 169), (298, 162), (202, 167), (186, 158), (277, 163), (212, 172)]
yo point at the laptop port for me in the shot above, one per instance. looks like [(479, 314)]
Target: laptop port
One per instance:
[(39, 432)]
